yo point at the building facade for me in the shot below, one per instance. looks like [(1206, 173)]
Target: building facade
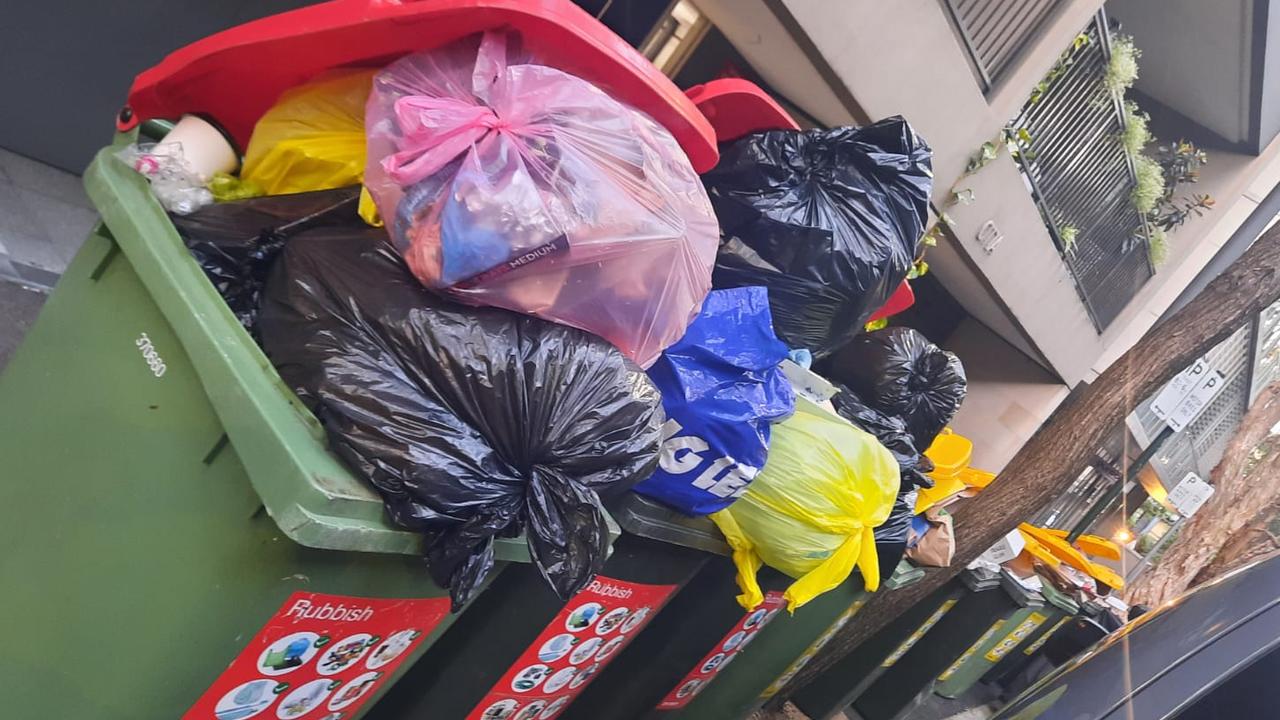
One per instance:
[(1045, 275)]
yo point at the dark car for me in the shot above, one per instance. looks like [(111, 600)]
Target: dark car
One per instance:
[(1212, 654)]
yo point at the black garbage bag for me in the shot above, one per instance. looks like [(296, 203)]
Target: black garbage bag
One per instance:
[(236, 242), (900, 373), (828, 220), (890, 431), (472, 423)]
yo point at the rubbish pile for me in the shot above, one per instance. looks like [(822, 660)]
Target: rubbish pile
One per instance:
[(490, 278), (828, 220), (461, 417)]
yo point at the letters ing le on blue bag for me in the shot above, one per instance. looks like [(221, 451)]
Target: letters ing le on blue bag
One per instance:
[(721, 388)]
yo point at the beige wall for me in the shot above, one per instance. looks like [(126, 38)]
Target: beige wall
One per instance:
[(1009, 396), (902, 57), (905, 58), (756, 32)]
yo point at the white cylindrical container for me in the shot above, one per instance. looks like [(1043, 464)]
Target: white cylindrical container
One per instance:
[(203, 146)]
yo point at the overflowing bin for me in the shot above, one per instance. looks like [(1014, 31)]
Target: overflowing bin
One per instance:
[(237, 567), (701, 632), (521, 652), (179, 540)]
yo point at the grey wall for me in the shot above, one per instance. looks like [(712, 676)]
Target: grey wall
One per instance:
[(66, 65), (1195, 58), (1269, 120)]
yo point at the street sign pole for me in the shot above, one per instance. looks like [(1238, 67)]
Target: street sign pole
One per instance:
[(1178, 404), (1104, 503)]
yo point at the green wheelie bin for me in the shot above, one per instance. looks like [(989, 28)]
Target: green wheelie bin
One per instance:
[(776, 653), (522, 652), (911, 668), (1059, 609), (1005, 634), (832, 692), (699, 633), (779, 651), (179, 541)]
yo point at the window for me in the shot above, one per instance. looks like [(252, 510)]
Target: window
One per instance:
[(674, 37)]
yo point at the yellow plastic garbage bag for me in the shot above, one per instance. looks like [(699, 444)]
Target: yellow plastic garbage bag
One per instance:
[(811, 511), (313, 139)]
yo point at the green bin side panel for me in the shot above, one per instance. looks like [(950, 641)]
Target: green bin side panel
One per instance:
[(137, 557), (736, 690), (833, 690), (896, 688), (1014, 660), (312, 496), (1017, 628)]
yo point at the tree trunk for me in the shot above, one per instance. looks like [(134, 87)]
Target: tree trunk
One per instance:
[(1251, 543), (1247, 546), (1064, 445), (1242, 485)]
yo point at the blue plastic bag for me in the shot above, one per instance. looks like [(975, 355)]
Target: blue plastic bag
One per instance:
[(721, 388)]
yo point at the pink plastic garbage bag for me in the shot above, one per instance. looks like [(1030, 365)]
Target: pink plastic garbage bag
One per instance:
[(513, 184)]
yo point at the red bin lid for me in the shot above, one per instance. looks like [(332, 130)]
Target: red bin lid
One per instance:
[(234, 76), (737, 107)]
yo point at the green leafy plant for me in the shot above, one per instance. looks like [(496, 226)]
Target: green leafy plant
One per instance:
[(1122, 67), (1149, 184), (1068, 234), (1018, 143), (1179, 163), (1173, 214), (919, 268), (1136, 134), (1064, 61), (987, 152), (1157, 246)]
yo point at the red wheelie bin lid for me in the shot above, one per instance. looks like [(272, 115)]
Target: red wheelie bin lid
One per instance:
[(737, 107), (901, 299), (234, 76)]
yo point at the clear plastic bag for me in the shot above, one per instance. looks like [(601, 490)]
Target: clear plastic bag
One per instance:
[(812, 512), (516, 185), (174, 183)]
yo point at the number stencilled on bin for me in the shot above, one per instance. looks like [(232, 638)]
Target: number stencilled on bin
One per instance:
[(914, 637), (151, 355), (1040, 641), (1015, 638), (320, 652), (812, 651), (724, 652), (964, 657), (587, 633)]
